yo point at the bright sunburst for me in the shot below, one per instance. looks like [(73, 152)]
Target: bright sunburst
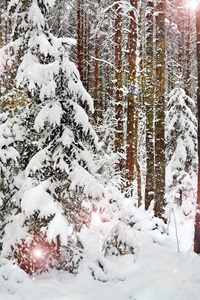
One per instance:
[(192, 4), (38, 253)]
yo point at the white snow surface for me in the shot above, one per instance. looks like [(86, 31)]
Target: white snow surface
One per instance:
[(157, 270), (157, 274)]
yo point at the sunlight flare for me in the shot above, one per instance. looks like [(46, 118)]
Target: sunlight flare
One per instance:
[(192, 4), (38, 253)]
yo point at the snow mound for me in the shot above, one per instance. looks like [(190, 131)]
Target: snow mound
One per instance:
[(159, 273)]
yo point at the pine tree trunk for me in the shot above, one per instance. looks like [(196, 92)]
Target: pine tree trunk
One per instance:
[(181, 26), (96, 76), (88, 54), (149, 107), (197, 221), (80, 38), (160, 110), (132, 107), (119, 138), (187, 54), (85, 50), (1, 45), (6, 26), (141, 83), (1, 35)]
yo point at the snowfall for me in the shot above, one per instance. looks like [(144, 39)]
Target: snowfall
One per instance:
[(163, 267)]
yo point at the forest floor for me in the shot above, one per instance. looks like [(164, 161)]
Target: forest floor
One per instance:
[(157, 272)]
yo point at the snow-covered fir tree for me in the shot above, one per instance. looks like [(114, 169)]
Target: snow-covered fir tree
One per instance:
[(56, 184), (181, 150), (8, 165)]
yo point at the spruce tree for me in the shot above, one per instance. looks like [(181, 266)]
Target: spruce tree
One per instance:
[(181, 149), (8, 167), (56, 180)]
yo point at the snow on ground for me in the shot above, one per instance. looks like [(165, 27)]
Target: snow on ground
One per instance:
[(164, 266), (156, 273)]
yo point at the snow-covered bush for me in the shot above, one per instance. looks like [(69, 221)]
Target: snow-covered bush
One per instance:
[(119, 242), (121, 238)]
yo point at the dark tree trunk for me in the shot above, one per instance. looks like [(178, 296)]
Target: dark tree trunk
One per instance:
[(96, 72), (159, 198), (149, 106), (119, 138), (132, 107), (80, 38), (197, 221)]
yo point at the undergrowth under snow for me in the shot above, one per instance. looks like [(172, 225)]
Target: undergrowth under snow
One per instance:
[(163, 266)]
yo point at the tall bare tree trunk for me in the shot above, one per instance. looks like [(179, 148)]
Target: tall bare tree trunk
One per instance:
[(80, 37), (85, 50), (197, 219), (149, 106), (181, 27), (188, 54), (132, 111), (119, 138), (160, 110), (1, 28), (132, 165), (88, 54), (96, 75)]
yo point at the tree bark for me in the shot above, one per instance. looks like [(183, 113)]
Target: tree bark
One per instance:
[(132, 107), (159, 198), (119, 138), (187, 54), (149, 106), (96, 72), (80, 38), (197, 218)]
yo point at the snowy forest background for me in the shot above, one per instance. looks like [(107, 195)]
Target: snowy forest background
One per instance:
[(98, 132)]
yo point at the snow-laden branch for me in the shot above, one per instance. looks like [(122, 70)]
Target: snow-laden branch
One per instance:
[(104, 61)]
